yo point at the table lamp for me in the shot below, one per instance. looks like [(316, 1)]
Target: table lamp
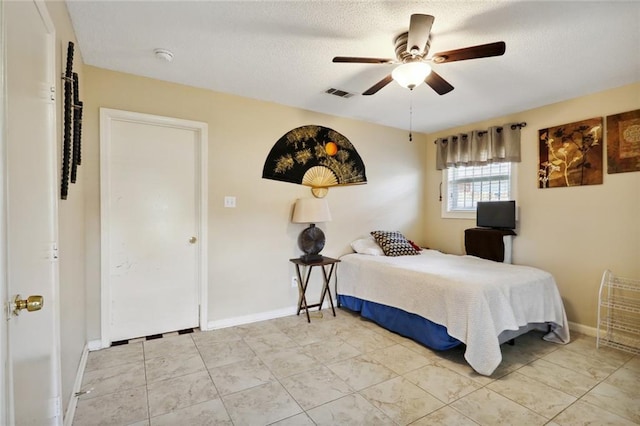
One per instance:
[(311, 240)]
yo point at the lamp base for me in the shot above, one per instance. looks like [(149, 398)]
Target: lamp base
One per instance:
[(311, 258), (311, 241)]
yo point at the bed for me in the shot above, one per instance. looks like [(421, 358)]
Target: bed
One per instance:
[(443, 300)]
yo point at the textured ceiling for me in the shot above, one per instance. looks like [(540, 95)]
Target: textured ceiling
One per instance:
[(281, 52)]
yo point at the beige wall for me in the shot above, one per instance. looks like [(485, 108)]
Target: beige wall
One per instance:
[(574, 233), (73, 323), (249, 246)]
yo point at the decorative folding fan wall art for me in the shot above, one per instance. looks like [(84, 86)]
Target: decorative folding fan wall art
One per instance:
[(314, 156)]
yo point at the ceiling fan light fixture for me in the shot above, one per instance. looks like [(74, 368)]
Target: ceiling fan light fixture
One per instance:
[(411, 74)]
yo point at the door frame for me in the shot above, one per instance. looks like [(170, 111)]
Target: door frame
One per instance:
[(107, 117), (5, 369)]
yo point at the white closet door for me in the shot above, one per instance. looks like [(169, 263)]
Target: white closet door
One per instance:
[(153, 235)]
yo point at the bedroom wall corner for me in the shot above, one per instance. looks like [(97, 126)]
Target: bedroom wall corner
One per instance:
[(71, 238), (576, 232)]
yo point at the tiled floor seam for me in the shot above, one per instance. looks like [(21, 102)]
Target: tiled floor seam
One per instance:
[(146, 382), (566, 408)]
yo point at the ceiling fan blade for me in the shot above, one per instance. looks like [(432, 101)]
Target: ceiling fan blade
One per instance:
[(379, 85), (482, 51), (419, 30), (437, 83), (350, 59)]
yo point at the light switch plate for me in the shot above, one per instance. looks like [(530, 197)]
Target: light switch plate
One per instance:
[(229, 201)]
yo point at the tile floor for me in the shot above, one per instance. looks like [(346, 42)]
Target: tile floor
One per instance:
[(349, 371)]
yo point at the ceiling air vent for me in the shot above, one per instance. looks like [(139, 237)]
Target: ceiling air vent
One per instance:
[(339, 93)]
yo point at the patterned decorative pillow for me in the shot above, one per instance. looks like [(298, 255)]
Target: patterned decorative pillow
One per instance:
[(393, 243)]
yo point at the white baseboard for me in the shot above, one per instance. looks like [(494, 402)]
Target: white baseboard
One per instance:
[(263, 316), (247, 319), (584, 329), (73, 401), (95, 345)]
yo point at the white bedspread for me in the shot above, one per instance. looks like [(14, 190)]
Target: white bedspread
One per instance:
[(475, 299)]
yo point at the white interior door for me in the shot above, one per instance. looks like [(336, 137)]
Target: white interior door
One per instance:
[(152, 229), (33, 378)]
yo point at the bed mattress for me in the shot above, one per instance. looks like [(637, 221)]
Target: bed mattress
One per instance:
[(476, 300)]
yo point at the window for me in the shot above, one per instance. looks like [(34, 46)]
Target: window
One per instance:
[(464, 186)]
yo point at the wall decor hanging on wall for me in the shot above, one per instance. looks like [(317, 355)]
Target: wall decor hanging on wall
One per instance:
[(314, 156), (623, 142), (71, 148), (571, 154)]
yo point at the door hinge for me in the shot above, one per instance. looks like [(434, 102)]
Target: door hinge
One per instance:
[(55, 409), (53, 252), (52, 93)]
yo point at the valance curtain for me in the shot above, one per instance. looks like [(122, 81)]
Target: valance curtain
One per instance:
[(498, 144)]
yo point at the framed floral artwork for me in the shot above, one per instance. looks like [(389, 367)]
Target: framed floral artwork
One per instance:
[(571, 154), (623, 142)]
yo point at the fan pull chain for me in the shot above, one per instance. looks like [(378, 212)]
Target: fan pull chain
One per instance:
[(410, 115)]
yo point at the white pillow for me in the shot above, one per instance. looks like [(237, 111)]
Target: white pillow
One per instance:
[(367, 245)]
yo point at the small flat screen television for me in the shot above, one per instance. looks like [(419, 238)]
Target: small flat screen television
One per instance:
[(496, 214)]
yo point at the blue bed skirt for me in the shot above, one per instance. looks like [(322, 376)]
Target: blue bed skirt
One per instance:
[(404, 323)]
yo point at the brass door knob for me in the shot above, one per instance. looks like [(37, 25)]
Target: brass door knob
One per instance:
[(31, 303), (193, 240)]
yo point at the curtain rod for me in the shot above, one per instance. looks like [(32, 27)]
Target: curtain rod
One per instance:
[(482, 132)]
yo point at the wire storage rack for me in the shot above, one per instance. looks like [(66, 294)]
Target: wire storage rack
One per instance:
[(619, 313)]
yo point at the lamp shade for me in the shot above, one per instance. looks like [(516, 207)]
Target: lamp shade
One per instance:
[(311, 210), (411, 74)]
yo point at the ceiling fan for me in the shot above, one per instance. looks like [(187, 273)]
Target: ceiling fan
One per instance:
[(412, 48)]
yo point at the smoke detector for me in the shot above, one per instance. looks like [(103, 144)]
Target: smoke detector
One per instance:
[(163, 55)]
